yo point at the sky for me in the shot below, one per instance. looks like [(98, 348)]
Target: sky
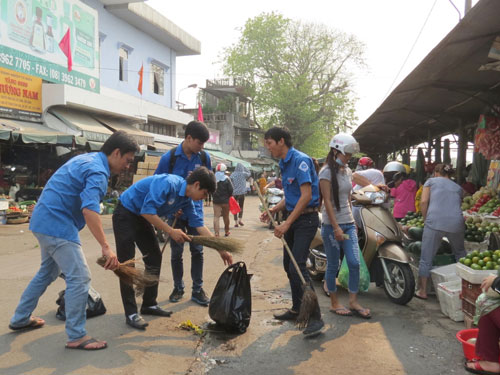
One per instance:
[(393, 31)]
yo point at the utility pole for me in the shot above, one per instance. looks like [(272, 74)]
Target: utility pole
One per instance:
[(468, 5)]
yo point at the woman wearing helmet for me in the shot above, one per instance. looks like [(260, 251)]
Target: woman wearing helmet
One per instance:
[(336, 185), (364, 163), (221, 197)]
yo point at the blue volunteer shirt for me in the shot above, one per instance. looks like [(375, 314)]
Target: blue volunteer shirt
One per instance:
[(80, 183), (182, 167), (297, 169), (161, 195)]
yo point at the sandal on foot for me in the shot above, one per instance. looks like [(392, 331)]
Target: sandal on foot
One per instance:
[(83, 345), (241, 223), (34, 323), (419, 297), (227, 234), (342, 311), (361, 313), (478, 369)]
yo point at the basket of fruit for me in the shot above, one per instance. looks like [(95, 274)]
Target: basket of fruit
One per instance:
[(477, 265)]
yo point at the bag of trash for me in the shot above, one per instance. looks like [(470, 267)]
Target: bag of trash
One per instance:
[(231, 302), (95, 306), (364, 274)]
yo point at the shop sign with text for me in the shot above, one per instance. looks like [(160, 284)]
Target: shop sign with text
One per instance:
[(30, 34), (20, 96)]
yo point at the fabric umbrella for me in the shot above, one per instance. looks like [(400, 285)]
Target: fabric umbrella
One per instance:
[(446, 152), (479, 170), (420, 167)]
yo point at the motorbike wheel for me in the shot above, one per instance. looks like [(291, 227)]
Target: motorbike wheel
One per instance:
[(160, 235), (314, 274), (401, 288)]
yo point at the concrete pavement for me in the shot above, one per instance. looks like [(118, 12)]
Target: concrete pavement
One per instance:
[(412, 339)]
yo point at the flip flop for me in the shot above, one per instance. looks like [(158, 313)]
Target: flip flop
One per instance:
[(478, 369), (342, 311), (419, 297), (34, 323), (361, 313), (83, 345)]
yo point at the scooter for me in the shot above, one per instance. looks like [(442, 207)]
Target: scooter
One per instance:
[(380, 241), (273, 197)]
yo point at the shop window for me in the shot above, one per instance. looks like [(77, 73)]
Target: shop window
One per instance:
[(157, 79), (123, 65)]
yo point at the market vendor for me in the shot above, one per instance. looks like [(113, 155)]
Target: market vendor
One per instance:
[(441, 209), (140, 209), (488, 320)]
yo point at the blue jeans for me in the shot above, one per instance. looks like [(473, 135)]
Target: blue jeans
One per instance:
[(351, 252), (196, 259), (58, 255)]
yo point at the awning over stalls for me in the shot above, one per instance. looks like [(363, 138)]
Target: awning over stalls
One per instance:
[(87, 126), (453, 85), (31, 132), (116, 124), (163, 147), (234, 160)]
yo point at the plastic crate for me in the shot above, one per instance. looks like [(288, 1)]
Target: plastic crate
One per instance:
[(472, 276), (443, 274), (470, 291), (449, 299)]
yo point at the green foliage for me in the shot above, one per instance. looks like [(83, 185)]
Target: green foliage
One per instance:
[(299, 77)]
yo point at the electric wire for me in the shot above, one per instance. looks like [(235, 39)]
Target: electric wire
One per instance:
[(411, 49)]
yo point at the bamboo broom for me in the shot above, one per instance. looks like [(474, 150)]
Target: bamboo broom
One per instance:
[(309, 302), (131, 275)]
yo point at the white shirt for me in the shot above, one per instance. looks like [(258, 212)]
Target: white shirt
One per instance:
[(373, 175)]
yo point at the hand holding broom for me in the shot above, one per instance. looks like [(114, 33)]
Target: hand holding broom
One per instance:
[(309, 304)]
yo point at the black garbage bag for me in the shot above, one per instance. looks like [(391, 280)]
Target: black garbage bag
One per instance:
[(95, 306), (231, 302)]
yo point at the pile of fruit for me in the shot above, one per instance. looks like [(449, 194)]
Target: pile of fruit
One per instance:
[(477, 229), (483, 201), (413, 219), (485, 260)]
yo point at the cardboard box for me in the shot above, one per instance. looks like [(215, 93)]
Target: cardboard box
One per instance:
[(153, 165), (138, 177), (142, 172), (142, 165), (151, 159)]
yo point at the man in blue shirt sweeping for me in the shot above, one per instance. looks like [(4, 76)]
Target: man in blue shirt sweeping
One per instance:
[(181, 161), (301, 203), (140, 209), (70, 200)]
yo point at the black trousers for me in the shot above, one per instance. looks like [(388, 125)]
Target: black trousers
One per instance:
[(299, 238), (131, 229)]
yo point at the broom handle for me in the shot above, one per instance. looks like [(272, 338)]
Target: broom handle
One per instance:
[(168, 239), (282, 239)]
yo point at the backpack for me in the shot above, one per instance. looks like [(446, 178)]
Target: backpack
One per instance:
[(173, 158)]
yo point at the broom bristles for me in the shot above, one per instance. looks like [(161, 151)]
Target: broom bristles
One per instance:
[(131, 275), (308, 306), (231, 245)]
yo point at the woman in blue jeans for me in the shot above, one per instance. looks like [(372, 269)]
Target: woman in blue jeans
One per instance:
[(338, 229)]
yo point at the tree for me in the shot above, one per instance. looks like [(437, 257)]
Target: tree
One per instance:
[(298, 76)]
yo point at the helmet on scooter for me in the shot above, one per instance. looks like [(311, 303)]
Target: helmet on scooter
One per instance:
[(345, 143), (394, 166), (365, 162), (221, 167)]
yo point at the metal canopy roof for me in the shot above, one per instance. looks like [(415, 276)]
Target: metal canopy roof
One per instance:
[(447, 88)]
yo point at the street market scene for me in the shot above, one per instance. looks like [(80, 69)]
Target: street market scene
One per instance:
[(360, 233)]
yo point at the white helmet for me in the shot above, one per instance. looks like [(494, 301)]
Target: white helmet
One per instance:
[(394, 166), (221, 167), (345, 143)]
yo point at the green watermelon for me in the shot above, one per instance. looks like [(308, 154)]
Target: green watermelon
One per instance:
[(416, 233)]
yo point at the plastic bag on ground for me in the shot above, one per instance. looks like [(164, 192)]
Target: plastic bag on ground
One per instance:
[(364, 274), (95, 306), (231, 302)]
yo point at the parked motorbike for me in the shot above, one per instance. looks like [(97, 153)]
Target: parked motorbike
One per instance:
[(380, 241), (273, 197)]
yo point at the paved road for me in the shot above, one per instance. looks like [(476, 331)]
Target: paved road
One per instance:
[(412, 339)]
